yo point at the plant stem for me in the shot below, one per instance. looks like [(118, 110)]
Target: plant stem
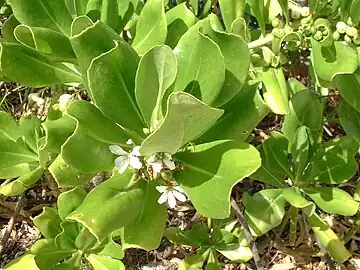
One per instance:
[(293, 225), (354, 229), (10, 226), (260, 42), (248, 235)]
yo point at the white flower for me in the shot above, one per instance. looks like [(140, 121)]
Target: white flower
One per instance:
[(170, 194), (126, 159), (159, 161), (341, 27), (295, 13), (305, 11)]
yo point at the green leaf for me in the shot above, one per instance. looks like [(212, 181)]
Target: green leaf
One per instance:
[(21, 184), (57, 132), (110, 206), (300, 152), (69, 201), (211, 169), (186, 115), (305, 110), (48, 222), (349, 88), (156, 73), (275, 148), (201, 63), (197, 236), (330, 61), (179, 19), (355, 6), (350, 120), (43, 13), (85, 240), (238, 122), (147, 229), (240, 28), (105, 10), (235, 252), (231, 10), (285, 9), (18, 170), (31, 131), (66, 239), (74, 263), (67, 176), (296, 199), (7, 29), (9, 129), (151, 28), (112, 250), (333, 200), (126, 11), (26, 261), (194, 4), (266, 174), (196, 261), (271, 202), (49, 42), (276, 95), (102, 263), (257, 8), (334, 163), (111, 78), (328, 239), (16, 58)]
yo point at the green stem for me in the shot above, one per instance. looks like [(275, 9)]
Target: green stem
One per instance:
[(260, 42), (354, 229), (293, 225)]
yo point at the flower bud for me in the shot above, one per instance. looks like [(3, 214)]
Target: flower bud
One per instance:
[(347, 39), (305, 11), (295, 13), (336, 35), (275, 22), (275, 32), (318, 35), (351, 31), (305, 21), (34, 97), (341, 27), (64, 100), (356, 39), (325, 32), (349, 22)]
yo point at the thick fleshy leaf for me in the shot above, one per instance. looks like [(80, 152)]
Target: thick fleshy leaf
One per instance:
[(48, 222), (231, 10), (330, 61), (354, 11), (18, 170), (151, 28), (333, 200), (26, 261), (66, 239), (300, 152), (238, 122), (275, 148), (16, 58), (334, 163), (85, 240), (240, 28), (104, 10), (350, 120), (179, 19), (67, 176), (266, 174), (111, 78), (69, 201), (276, 95), (211, 169), (156, 73), (100, 263), (126, 11), (328, 239), (197, 236), (57, 132), (294, 197), (200, 63), (272, 205), (112, 250), (7, 29), (147, 229), (235, 252), (52, 43), (305, 110), (196, 261), (43, 13), (349, 88), (9, 129), (21, 184), (31, 131), (74, 263), (186, 115), (110, 206), (258, 9)]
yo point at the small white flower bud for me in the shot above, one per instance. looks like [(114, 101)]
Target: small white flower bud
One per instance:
[(305, 11), (295, 13), (64, 101), (341, 27)]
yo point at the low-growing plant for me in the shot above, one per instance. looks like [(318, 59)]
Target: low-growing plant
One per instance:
[(175, 91)]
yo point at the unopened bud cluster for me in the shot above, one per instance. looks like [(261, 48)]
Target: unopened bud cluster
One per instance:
[(347, 32)]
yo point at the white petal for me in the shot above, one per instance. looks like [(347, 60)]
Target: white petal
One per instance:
[(157, 167), (152, 159), (167, 155), (169, 163), (135, 162), (161, 189), (136, 151), (117, 150), (122, 163), (171, 200), (178, 188), (163, 198), (181, 197), (129, 141)]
